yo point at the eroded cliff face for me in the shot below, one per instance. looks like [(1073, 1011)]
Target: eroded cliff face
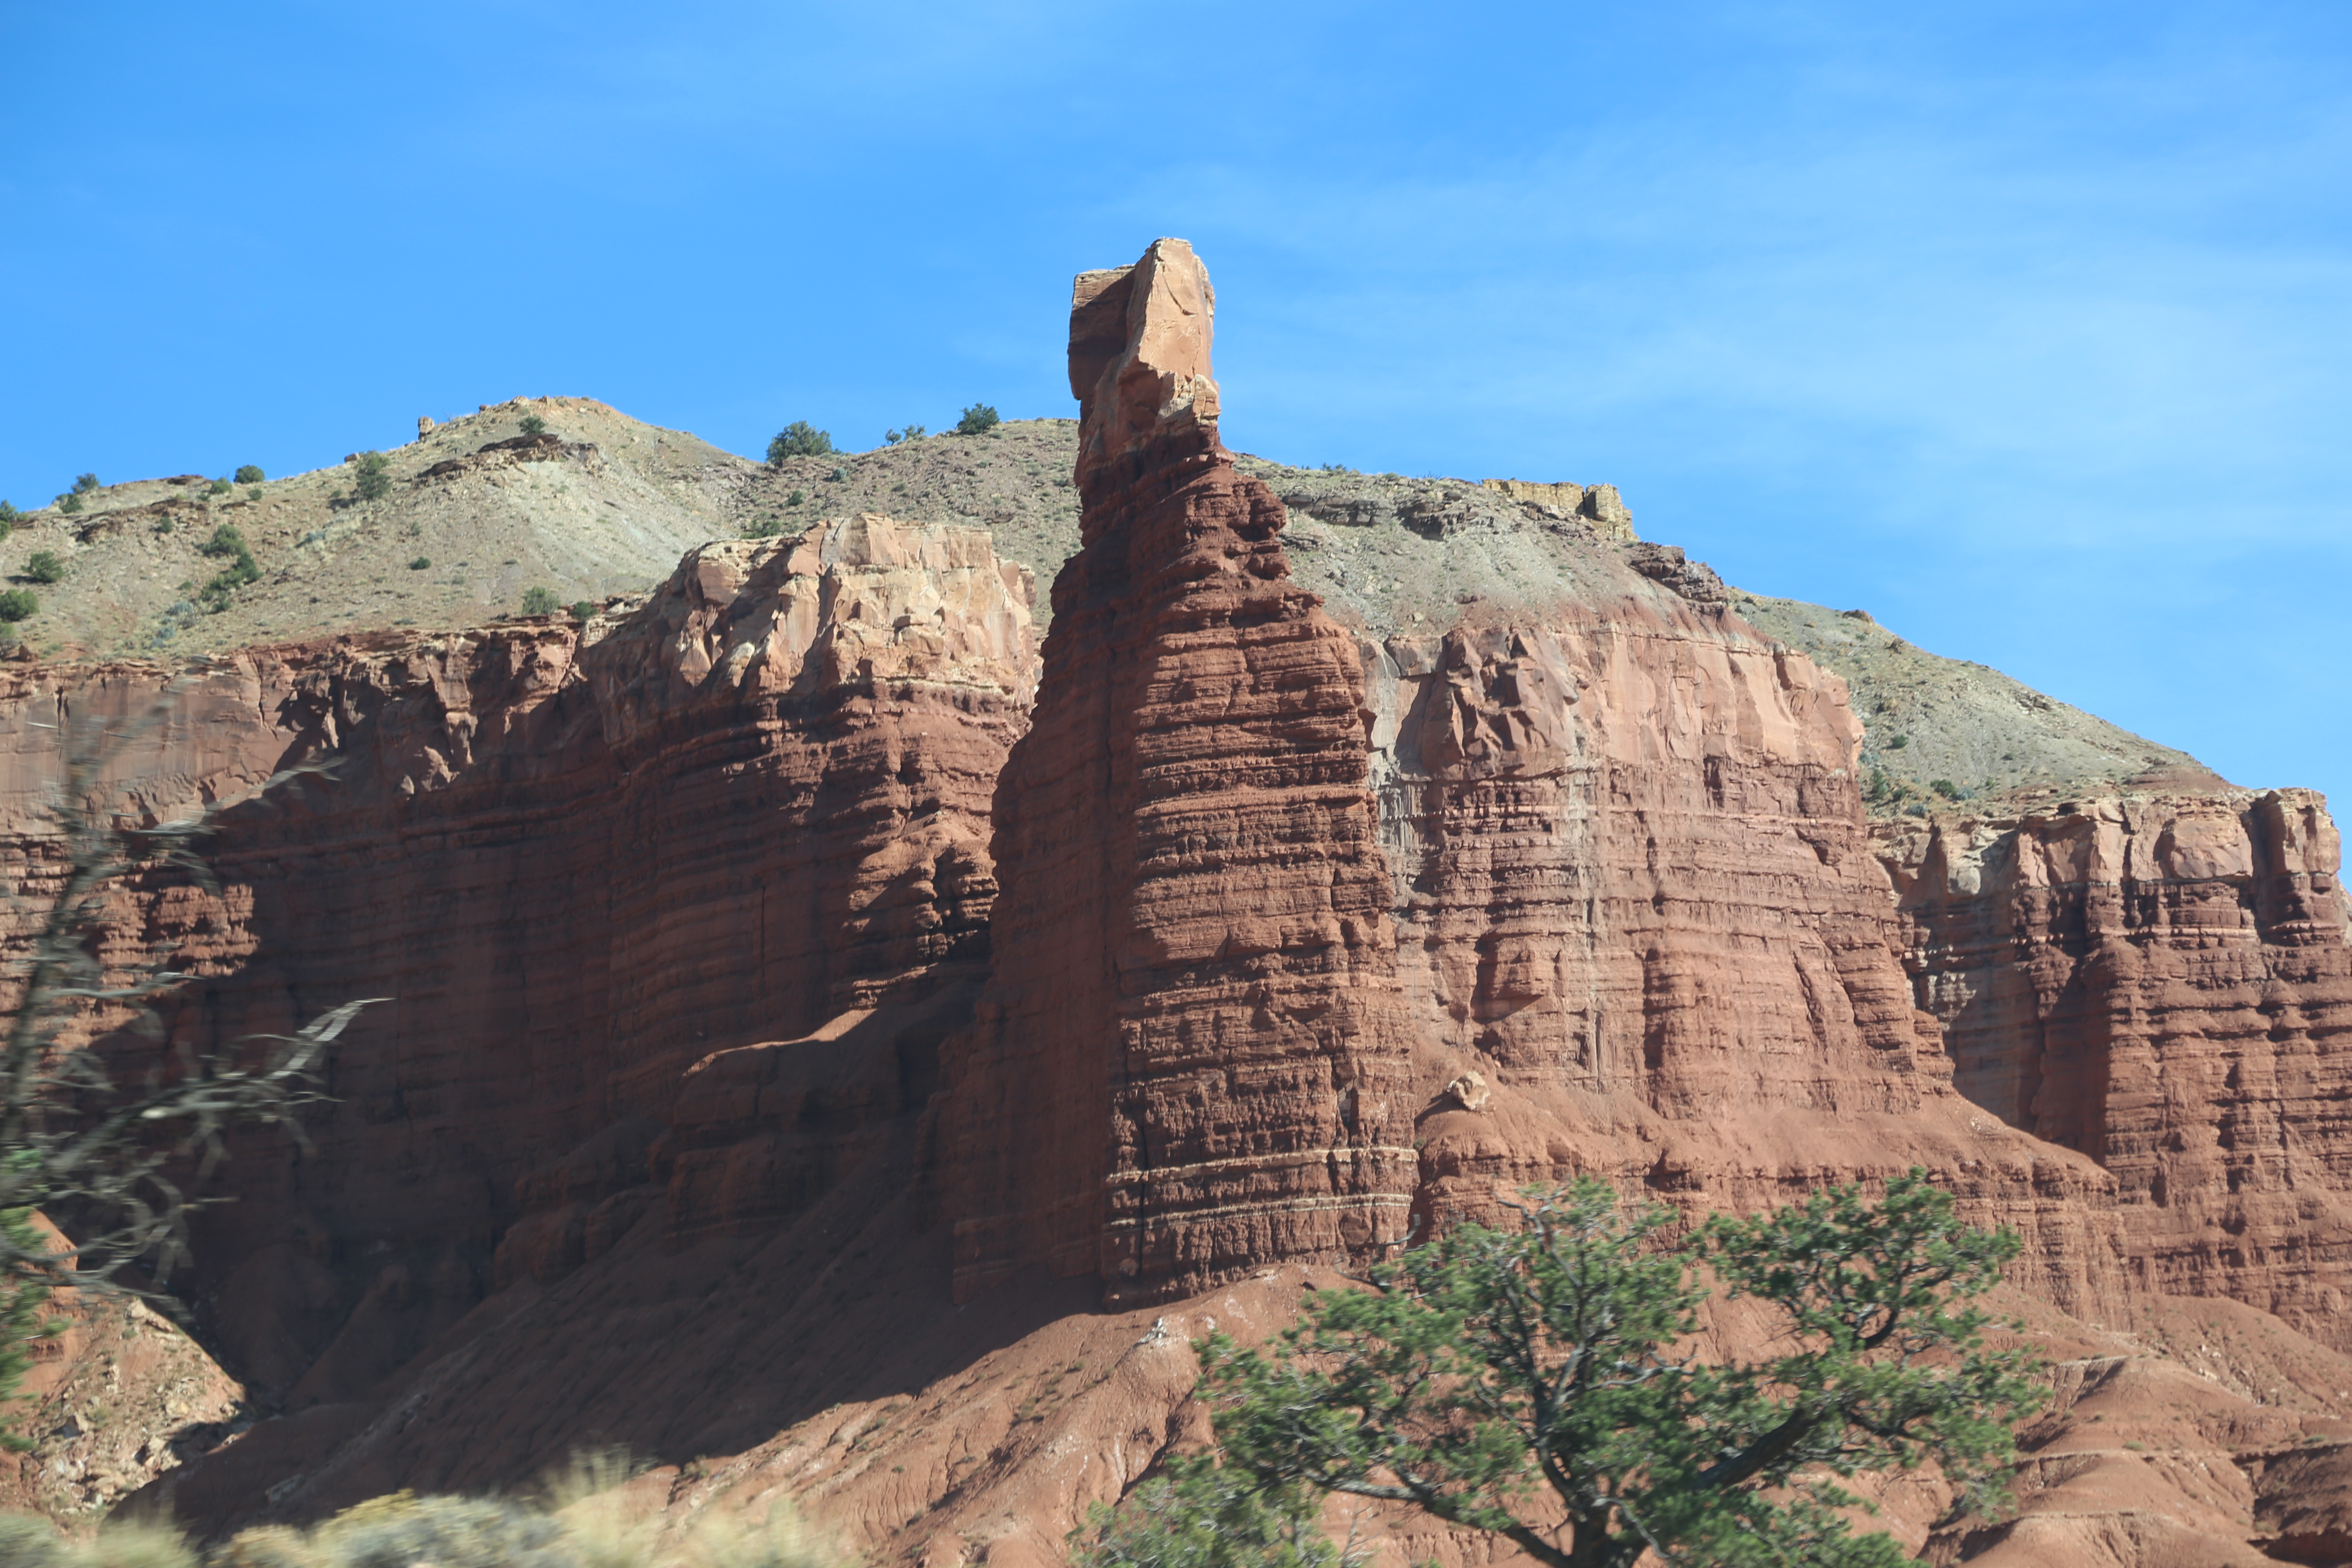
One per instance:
[(759, 804), (827, 1065), (1190, 1058), (2164, 984), (1625, 890)]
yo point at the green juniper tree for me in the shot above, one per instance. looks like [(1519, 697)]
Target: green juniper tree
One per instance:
[(798, 439), (371, 476), (1489, 1368), (227, 543)]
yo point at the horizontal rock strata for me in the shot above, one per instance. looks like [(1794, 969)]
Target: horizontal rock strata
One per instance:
[(1189, 1059), (2163, 983), (759, 803)]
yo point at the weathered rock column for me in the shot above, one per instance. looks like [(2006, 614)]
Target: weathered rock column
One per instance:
[(1191, 1057)]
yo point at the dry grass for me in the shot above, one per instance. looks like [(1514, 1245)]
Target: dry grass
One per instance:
[(581, 1519)]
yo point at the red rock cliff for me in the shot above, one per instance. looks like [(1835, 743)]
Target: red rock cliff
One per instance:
[(759, 802), (1189, 1059), (2163, 983)]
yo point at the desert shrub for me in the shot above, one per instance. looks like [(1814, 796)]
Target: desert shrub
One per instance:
[(532, 424), (583, 609), (24, 1319), (8, 516), (402, 1529), (795, 499), (218, 488), (421, 564), (69, 502), (1203, 1516), (254, 493), (1897, 742), (898, 437), (43, 566), (250, 474), (165, 524), (1948, 789), (29, 1543), (372, 477), (74, 1139), (977, 420), (538, 601), (839, 476), (763, 528), (17, 604), (572, 1526), (227, 544), (799, 439), (84, 484)]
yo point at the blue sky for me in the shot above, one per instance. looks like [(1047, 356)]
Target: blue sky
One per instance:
[(2026, 327)]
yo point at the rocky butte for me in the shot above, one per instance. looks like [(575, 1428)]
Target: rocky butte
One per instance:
[(846, 1045)]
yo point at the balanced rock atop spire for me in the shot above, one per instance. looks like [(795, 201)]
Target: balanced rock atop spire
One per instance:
[(1139, 342)]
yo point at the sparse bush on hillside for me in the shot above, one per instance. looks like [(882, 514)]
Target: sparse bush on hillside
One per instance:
[(421, 564), (371, 476), (227, 544), (763, 528), (164, 524), (839, 476), (799, 439), (250, 474), (538, 601), (69, 502), (84, 484), (977, 420), (8, 516), (17, 604), (43, 566), (795, 499), (1898, 742), (898, 437), (254, 493), (218, 488), (583, 609), (532, 424), (1948, 789)]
